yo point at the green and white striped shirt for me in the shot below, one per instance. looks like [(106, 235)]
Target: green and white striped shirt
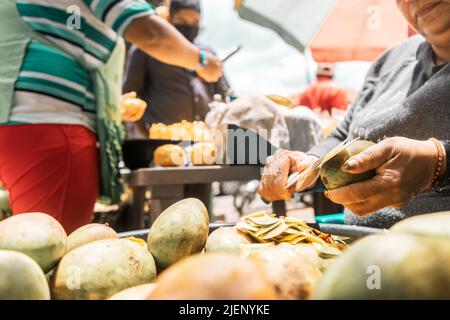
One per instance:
[(53, 86)]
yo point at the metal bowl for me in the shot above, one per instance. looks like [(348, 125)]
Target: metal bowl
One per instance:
[(353, 232)]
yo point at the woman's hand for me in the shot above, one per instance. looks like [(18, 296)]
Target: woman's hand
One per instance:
[(131, 108), (404, 167), (212, 71), (278, 168)]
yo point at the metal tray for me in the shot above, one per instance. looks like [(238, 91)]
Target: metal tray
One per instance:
[(353, 232)]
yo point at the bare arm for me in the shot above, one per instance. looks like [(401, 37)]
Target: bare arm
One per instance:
[(161, 40)]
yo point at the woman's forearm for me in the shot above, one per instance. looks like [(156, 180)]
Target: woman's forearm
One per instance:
[(160, 39)]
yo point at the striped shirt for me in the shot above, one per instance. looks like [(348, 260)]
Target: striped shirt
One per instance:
[(54, 85)]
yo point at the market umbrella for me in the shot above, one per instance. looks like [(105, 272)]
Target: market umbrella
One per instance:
[(335, 30), (296, 21), (359, 30)]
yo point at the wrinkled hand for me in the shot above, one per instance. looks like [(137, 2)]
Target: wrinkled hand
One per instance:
[(212, 71), (278, 167), (404, 167), (131, 108)]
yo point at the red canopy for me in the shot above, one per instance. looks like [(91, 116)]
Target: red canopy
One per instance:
[(359, 30)]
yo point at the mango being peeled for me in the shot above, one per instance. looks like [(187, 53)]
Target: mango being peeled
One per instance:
[(37, 235), (331, 174), (21, 278)]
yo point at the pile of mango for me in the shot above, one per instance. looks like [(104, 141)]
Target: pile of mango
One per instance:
[(181, 260), (93, 263)]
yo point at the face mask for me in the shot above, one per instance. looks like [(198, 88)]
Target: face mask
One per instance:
[(188, 31)]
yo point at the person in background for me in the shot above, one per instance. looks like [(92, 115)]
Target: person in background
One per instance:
[(173, 93), (60, 87), (324, 94)]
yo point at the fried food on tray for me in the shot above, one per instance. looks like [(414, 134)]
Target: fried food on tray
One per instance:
[(184, 130), (203, 153), (169, 155)]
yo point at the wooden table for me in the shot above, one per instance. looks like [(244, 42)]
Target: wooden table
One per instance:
[(169, 185)]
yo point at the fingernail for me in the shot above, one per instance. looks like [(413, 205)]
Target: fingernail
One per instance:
[(349, 165)]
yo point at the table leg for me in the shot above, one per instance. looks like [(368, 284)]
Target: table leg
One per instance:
[(279, 208), (203, 192), (136, 216), (163, 197), (322, 205)]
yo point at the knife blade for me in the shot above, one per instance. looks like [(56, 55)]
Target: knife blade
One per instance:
[(312, 173)]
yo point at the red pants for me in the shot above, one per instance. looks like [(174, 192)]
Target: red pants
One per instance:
[(51, 169)]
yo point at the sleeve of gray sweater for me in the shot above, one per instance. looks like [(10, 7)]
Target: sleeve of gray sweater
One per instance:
[(388, 63), (364, 96), (404, 94)]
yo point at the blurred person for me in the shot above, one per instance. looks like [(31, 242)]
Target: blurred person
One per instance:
[(60, 87), (173, 93), (404, 106), (324, 93)]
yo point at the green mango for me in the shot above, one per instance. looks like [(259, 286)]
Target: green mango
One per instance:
[(88, 233), (141, 292), (100, 269), (432, 224), (21, 278), (331, 174), (37, 235), (5, 208), (181, 230), (292, 275), (226, 239), (389, 266)]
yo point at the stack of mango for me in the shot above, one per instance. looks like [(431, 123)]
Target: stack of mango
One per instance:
[(180, 260)]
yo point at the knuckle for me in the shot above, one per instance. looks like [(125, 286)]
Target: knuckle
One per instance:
[(390, 141), (393, 178)]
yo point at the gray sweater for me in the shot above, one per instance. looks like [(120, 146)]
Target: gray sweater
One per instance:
[(404, 94)]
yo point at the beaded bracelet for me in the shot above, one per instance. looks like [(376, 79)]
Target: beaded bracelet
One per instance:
[(440, 164), (203, 58)]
